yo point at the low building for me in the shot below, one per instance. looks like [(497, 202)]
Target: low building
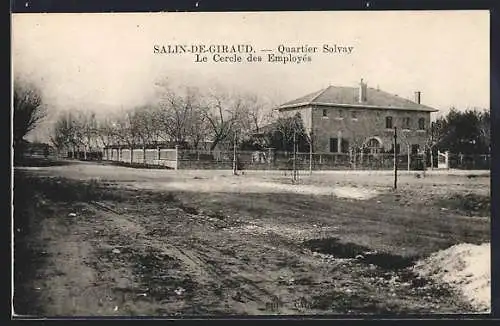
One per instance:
[(341, 119)]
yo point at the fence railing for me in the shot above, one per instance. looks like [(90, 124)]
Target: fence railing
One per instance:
[(469, 161), (270, 159)]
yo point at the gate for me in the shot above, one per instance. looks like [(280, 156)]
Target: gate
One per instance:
[(443, 162)]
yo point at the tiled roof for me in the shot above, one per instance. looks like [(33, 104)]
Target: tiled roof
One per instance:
[(348, 96)]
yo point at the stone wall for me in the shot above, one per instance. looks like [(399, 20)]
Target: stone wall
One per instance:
[(358, 125)]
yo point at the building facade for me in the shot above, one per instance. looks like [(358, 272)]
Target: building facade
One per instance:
[(340, 119)]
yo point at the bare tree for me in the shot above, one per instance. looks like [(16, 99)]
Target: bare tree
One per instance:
[(173, 116), (254, 112), (405, 137), (289, 127), (127, 131), (179, 113), (198, 130), (28, 109), (85, 126), (64, 134), (356, 131), (144, 126), (142, 121), (106, 131), (222, 113)]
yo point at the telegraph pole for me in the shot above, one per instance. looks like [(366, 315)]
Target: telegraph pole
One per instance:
[(395, 159), (294, 175), (235, 167), (310, 152)]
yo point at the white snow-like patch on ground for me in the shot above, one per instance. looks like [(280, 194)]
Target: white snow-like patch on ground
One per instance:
[(256, 186), (465, 267), (338, 191)]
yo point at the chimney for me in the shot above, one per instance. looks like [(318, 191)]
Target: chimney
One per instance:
[(417, 97), (362, 92)]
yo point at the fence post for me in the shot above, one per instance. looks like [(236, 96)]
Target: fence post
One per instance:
[(409, 156), (395, 159), (176, 157), (235, 167), (432, 159), (310, 158), (294, 157)]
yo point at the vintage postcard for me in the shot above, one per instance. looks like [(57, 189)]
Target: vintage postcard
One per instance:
[(251, 164)]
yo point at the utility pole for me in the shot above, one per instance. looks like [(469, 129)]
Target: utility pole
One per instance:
[(294, 174), (395, 158), (235, 167), (310, 152)]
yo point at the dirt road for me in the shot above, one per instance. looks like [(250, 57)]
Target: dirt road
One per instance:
[(102, 240)]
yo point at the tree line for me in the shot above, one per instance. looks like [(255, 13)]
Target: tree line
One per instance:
[(465, 132), (195, 119), (185, 116)]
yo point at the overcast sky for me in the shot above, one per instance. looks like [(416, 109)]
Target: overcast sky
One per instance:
[(106, 61)]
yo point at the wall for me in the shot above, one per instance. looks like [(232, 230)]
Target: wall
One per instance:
[(162, 157), (368, 123)]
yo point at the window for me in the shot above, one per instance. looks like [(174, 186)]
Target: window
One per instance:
[(388, 122), (325, 113), (373, 146), (341, 113), (334, 145), (406, 123), (421, 123), (354, 115), (415, 148)]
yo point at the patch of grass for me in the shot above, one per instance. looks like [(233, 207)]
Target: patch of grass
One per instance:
[(474, 176), (161, 275), (217, 215), (42, 162), (470, 203), (59, 189), (334, 247), (343, 302), (29, 256), (189, 209)]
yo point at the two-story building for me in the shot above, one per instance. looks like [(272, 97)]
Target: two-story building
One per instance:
[(343, 118)]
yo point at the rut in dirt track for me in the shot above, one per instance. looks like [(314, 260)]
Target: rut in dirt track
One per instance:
[(167, 253)]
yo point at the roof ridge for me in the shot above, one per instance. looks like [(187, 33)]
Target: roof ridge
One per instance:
[(319, 94), (400, 97), (341, 95)]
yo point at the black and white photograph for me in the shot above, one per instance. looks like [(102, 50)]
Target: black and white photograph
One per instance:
[(308, 163)]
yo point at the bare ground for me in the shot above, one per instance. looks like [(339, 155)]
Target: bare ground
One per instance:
[(100, 240)]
